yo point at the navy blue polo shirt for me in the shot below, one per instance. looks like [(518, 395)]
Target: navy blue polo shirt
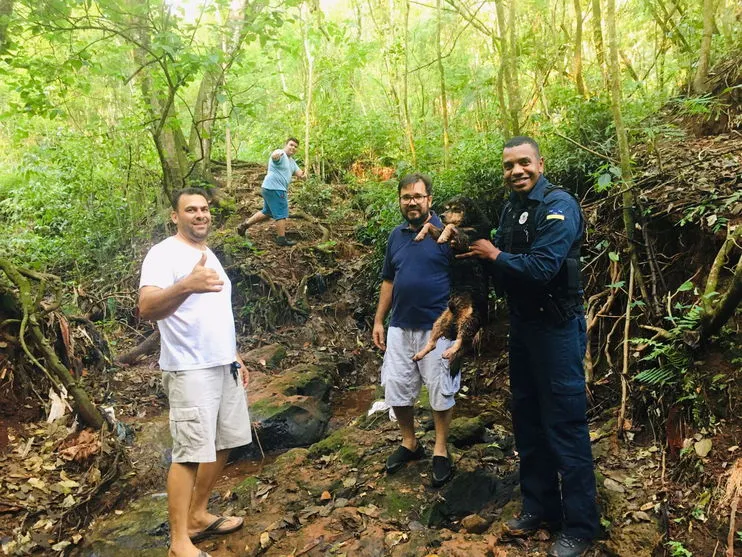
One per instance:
[(420, 273)]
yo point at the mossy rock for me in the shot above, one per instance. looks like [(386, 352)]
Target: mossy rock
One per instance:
[(305, 380), (466, 431), (292, 457), (340, 443), (400, 505), (141, 530), (264, 409), (270, 356), (245, 488)]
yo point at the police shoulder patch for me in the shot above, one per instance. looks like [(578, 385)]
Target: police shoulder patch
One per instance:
[(555, 214)]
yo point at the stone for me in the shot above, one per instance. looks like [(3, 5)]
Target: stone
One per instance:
[(474, 524), (141, 530), (267, 357), (466, 431), (289, 410), (470, 492)]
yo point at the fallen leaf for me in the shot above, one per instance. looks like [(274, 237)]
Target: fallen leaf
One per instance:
[(265, 540), (703, 447), (325, 496)]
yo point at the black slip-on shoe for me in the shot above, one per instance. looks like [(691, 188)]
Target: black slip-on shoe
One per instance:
[(526, 524), (242, 228), (442, 470), (569, 546), (402, 456), (284, 241)]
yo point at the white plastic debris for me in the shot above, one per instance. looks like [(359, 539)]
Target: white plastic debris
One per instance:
[(381, 406), (59, 405)]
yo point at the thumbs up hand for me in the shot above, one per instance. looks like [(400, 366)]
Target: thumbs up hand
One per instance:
[(203, 279)]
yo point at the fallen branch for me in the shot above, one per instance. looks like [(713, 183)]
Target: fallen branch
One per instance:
[(625, 367), (148, 346)]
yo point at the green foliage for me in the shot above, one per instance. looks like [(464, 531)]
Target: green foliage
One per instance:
[(677, 549), (313, 196), (73, 205), (669, 369)]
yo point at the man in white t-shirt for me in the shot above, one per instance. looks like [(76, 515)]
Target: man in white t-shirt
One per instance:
[(185, 289)]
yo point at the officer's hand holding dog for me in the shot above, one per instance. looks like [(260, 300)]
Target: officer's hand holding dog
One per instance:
[(484, 249)]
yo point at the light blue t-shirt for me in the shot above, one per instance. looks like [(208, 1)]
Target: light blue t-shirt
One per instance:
[(280, 173)]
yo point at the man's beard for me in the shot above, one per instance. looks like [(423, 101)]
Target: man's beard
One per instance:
[(417, 221)]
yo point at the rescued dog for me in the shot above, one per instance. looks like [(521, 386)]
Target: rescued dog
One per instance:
[(467, 304)]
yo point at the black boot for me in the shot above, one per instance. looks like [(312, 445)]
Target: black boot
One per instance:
[(527, 524), (569, 546)]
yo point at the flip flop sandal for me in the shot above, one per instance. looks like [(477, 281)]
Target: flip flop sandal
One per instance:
[(214, 530)]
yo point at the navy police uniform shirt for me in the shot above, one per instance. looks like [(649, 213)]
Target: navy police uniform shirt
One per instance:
[(420, 273), (558, 225)]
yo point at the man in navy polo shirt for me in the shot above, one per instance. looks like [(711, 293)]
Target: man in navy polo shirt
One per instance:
[(415, 287)]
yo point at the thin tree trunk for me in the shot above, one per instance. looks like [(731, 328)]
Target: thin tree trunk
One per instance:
[(577, 60), (598, 37), (509, 63), (711, 323), (702, 69), (442, 73), (6, 10), (207, 104), (309, 85), (405, 97), (623, 142)]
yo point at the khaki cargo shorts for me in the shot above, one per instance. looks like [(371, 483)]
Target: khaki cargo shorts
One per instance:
[(402, 378), (208, 412)]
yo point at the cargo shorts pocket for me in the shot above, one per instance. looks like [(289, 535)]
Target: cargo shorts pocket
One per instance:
[(186, 427), (449, 385)]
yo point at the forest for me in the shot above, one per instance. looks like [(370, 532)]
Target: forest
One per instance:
[(107, 107)]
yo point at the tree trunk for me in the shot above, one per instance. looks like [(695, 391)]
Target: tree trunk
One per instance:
[(442, 74), (702, 69), (144, 348), (6, 11), (577, 60), (711, 323), (598, 37), (509, 66), (309, 85), (167, 134), (629, 202), (716, 314), (207, 104), (405, 83)]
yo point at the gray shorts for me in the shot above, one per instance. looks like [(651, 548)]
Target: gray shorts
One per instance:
[(208, 412), (402, 378)]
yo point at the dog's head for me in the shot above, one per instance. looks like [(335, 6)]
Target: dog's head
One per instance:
[(458, 211)]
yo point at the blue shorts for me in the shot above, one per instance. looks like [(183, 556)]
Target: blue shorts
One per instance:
[(275, 203)]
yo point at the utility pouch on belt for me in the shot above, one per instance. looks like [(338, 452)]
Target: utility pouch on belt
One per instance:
[(555, 312)]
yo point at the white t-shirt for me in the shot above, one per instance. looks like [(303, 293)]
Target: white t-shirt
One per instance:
[(200, 333)]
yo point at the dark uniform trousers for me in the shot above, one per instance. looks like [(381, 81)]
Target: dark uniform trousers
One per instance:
[(551, 433)]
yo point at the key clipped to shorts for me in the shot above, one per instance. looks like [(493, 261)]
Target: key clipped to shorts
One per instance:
[(234, 368)]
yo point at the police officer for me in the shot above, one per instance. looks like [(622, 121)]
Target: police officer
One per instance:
[(535, 262)]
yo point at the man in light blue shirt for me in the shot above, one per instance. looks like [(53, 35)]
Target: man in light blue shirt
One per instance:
[(281, 167)]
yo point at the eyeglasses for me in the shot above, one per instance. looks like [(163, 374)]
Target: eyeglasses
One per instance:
[(417, 198)]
